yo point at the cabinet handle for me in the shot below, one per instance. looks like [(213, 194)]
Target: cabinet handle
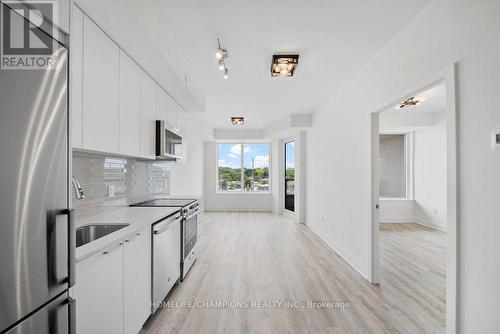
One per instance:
[(109, 250), (135, 236)]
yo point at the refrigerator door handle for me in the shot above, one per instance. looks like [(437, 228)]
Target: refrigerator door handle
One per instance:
[(71, 247), (72, 315)]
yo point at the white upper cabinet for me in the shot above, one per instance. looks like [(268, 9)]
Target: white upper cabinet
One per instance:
[(101, 111), (148, 116), (130, 106), (171, 112), (113, 103), (161, 103), (76, 72)]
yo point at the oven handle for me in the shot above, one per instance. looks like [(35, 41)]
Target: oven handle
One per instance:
[(161, 230), (192, 215)]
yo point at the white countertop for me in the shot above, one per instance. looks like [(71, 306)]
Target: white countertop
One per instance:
[(137, 218)]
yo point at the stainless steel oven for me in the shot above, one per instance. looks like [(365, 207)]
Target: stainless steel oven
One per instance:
[(189, 232)]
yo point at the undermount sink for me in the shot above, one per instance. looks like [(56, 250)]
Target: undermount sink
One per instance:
[(88, 233)]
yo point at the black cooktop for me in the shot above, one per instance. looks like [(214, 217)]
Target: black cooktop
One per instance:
[(166, 202)]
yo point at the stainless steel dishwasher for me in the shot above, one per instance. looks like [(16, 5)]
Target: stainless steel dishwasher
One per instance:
[(166, 257)]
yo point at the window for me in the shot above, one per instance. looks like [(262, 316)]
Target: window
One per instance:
[(394, 166), (290, 176), (243, 167)]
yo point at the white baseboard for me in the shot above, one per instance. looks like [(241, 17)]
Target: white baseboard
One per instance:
[(405, 220), (237, 210), (345, 255), (391, 220), (431, 225)]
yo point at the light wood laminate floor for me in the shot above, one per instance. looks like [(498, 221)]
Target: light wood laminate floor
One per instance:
[(251, 258)]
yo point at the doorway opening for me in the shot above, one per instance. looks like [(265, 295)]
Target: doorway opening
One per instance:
[(413, 239)]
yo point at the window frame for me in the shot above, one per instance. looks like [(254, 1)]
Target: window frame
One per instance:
[(242, 169), (408, 165)]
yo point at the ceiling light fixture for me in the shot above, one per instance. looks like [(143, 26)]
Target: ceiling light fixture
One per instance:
[(284, 65), (240, 120), (220, 55), (412, 101)]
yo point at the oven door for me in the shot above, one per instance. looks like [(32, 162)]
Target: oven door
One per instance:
[(189, 233)]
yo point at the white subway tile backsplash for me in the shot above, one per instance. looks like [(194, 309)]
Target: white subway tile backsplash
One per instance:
[(133, 180)]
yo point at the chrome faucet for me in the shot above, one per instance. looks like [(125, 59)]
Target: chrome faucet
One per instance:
[(78, 189)]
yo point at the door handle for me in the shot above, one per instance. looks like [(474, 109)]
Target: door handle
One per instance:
[(377, 206), (71, 247), (72, 315), (54, 244)]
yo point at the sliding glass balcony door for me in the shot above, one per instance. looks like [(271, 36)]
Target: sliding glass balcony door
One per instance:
[(290, 176)]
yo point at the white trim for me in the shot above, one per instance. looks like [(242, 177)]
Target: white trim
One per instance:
[(395, 220), (447, 76), (431, 225), (345, 255)]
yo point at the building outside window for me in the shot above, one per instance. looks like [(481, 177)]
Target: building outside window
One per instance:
[(394, 166), (243, 168)]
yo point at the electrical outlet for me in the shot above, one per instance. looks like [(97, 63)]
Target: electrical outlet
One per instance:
[(322, 219), (435, 212), (111, 190)]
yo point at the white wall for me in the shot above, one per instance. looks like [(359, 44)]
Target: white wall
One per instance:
[(187, 176), (430, 176), (397, 211), (427, 205), (230, 202), (339, 147)]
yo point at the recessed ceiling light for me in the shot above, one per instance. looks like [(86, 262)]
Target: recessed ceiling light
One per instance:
[(284, 65), (238, 120), (412, 101)]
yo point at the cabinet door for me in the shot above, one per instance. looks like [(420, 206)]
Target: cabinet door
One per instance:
[(171, 112), (99, 292), (161, 103), (130, 106), (137, 280), (148, 116), (76, 76), (101, 57)]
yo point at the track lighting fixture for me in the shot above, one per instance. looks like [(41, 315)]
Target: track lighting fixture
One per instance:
[(220, 55)]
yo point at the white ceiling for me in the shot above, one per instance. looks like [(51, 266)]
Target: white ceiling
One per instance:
[(433, 100), (333, 37), (432, 112)]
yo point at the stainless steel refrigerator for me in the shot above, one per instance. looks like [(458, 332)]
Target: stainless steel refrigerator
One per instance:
[(36, 229)]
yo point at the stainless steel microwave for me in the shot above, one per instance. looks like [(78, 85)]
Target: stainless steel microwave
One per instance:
[(168, 143)]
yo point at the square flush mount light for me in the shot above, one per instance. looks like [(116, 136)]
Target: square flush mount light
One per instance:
[(412, 101), (238, 120), (284, 65)]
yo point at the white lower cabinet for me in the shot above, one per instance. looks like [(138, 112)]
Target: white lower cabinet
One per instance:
[(137, 280), (113, 287), (99, 292)]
